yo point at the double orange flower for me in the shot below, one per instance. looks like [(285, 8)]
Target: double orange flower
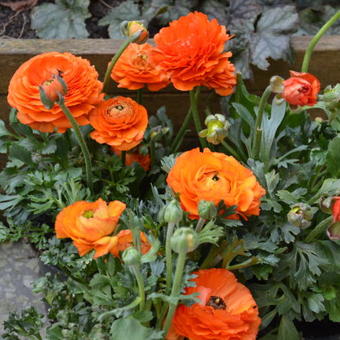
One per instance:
[(91, 226), (214, 176), (226, 310)]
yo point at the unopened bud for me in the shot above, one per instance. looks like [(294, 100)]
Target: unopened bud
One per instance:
[(131, 256), (276, 84), (300, 215), (333, 232), (137, 28), (217, 129), (51, 90), (207, 210), (325, 204), (173, 212), (184, 240)]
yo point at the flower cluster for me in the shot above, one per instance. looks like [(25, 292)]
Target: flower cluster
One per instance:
[(171, 242)]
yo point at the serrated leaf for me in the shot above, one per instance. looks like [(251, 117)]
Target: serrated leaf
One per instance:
[(62, 20), (315, 303), (3, 130), (272, 37), (127, 10), (130, 328), (333, 157), (215, 9)]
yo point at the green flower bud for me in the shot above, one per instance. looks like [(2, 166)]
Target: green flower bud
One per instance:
[(184, 239), (301, 215), (173, 212), (131, 256), (333, 231), (207, 209), (276, 84), (217, 129), (325, 204)]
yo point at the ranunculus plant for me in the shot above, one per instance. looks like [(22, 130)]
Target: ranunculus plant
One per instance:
[(236, 238)]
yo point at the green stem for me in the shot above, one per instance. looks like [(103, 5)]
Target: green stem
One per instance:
[(140, 96), (140, 283), (200, 225), (179, 137), (230, 149), (81, 141), (195, 114), (211, 258), (114, 60), (315, 40), (258, 123), (176, 289), (123, 157), (245, 264), (319, 229), (168, 256)]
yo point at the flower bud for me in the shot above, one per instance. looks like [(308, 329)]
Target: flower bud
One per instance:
[(276, 84), (207, 210), (51, 89), (325, 204), (300, 215), (333, 231), (217, 129), (173, 212), (184, 240), (137, 28), (131, 256)]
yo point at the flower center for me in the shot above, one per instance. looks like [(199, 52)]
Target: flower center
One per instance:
[(215, 178), (88, 214), (119, 110), (303, 89), (216, 302)]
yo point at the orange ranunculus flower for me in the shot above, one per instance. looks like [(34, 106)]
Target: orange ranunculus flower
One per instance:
[(336, 209), (191, 50), (214, 176), (226, 309), (90, 225), (135, 157), (83, 90), (134, 69), (301, 89), (119, 122), (125, 240)]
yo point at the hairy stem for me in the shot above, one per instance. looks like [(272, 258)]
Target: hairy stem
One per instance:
[(315, 40), (168, 256), (81, 141)]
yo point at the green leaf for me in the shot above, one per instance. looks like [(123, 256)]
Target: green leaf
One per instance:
[(333, 157), (287, 330), (3, 130), (215, 9), (127, 10), (63, 20), (272, 36), (130, 328), (269, 129), (19, 152), (315, 303)]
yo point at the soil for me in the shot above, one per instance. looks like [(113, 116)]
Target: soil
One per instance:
[(17, 24)]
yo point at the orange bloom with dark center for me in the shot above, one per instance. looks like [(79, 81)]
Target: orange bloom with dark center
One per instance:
[(119, 122), (336, 208), (135, 70), (191, 50), (226, 309), (90, 225), (301, 89), (214, 176), (83, 90), (134, 157)]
